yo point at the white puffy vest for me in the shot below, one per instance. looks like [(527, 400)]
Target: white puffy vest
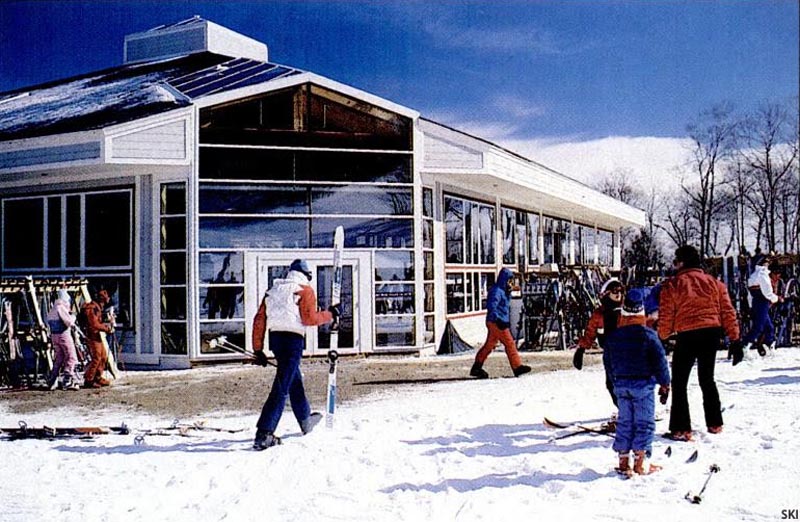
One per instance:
[(283, 314)]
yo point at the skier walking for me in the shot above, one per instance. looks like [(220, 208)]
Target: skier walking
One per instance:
[(498, 325), (287, 309), (762, 297), (637, 362), (92, 313), (60, 320), (602, 322), (695, 309)]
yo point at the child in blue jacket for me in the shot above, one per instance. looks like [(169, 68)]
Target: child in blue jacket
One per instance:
[(637, 363)]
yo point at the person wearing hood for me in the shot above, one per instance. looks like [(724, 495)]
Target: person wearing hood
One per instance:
[(60, 320), (602, 322), (498, 324), (288, 308), (637, 362)]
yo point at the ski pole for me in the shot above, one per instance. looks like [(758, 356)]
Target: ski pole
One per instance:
[(696, 499)]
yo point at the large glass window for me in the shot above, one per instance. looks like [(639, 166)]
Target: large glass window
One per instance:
[(173, 262), (533, 239), (470, 230), (306, 115), (23, 233), (467, 291), (605, 243), (108, 229)]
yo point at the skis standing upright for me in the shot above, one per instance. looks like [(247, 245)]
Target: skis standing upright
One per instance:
[(336, 299)]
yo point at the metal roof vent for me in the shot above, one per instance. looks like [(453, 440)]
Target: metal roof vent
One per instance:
[(190, 36)]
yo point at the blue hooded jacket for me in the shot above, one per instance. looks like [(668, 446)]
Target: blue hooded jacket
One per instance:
[(635, 353), (498, 302)]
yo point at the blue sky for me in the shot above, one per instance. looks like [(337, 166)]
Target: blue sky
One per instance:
[(545, 70)]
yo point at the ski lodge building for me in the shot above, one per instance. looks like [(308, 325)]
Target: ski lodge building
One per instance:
[(187, 179)]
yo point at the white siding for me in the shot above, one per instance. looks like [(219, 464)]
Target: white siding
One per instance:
[(441, 154), (157, 143)]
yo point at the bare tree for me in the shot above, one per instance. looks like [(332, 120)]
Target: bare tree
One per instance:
[(769, 150), (680, 227), (712, 141)]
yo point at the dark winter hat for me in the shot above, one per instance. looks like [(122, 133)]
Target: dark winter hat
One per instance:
[(102, 296), (299, 265), (634, 302), (760, 259), (688, 255)]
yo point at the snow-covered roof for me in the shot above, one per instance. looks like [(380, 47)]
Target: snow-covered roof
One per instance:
[(126, 93)]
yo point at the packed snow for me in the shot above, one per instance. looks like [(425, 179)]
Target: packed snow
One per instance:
[(464, 450)]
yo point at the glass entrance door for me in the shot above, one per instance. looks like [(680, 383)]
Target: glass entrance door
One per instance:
[(270, 267)]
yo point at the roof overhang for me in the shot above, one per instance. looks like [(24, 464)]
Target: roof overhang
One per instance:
[(469, 165)]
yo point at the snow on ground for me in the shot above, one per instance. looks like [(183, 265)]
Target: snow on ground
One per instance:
[(467, 450)]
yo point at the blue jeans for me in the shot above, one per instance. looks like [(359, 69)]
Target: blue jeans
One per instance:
[(762, 323), (636, 419), (288, 349)]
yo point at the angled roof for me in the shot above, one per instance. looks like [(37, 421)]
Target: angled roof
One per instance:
[(126, 93)]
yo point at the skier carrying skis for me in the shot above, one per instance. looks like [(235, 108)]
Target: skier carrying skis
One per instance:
[(637, 362), (695, 308), (93, 324), (498, 325), (60, 321), (762, 297), (291, 306), (602, 322)]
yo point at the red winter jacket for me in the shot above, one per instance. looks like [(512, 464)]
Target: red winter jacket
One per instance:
[(692, 300)]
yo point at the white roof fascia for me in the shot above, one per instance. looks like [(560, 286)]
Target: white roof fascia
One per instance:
[(55, 140), (128, 127), (558, 186), (454, 136), (298, 79)]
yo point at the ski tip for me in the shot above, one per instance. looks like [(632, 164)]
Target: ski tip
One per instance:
[(692, 457), (668, 452)]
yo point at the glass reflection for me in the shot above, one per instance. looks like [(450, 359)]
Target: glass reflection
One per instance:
[(253, 199), (394, 266), (222, 337), (364, 232), (393, 201), (395, 331), (235, 232), (394, 299)]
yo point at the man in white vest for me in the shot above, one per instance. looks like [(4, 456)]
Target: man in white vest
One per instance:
[(288, 308)]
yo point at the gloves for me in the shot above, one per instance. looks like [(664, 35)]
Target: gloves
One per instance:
[(336, 311), (502, 325), (260, 358), (669, 344), (577, 359), (736, 352), (663, 393)]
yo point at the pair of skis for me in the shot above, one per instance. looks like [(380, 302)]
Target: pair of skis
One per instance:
[(23, 431), (336, 300), (578, 428)]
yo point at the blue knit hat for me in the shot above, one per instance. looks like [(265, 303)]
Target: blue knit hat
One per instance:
[(299, 265), (634, 302)]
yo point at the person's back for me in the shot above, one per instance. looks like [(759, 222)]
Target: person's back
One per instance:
[(634, 352)]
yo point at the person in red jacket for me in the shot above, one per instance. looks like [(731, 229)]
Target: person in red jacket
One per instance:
[(289, 307), (602, 322), (694, 309)]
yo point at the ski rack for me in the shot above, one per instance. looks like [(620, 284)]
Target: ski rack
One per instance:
[(32, 295)]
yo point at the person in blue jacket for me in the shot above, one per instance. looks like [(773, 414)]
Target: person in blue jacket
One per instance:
[(498, 324), (635, 356)]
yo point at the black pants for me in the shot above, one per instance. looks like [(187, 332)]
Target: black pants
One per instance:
[(701, 346)]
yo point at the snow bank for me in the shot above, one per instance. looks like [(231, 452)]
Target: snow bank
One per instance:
[(470, 450)]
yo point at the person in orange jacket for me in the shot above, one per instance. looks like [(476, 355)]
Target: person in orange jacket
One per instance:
[(602, 322), (694, 309), (287, 309)]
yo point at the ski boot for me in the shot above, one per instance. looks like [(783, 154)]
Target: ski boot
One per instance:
[(307, 424), (264, 440), (478, 371), (624, 467), (522, 369), (641, 464)]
